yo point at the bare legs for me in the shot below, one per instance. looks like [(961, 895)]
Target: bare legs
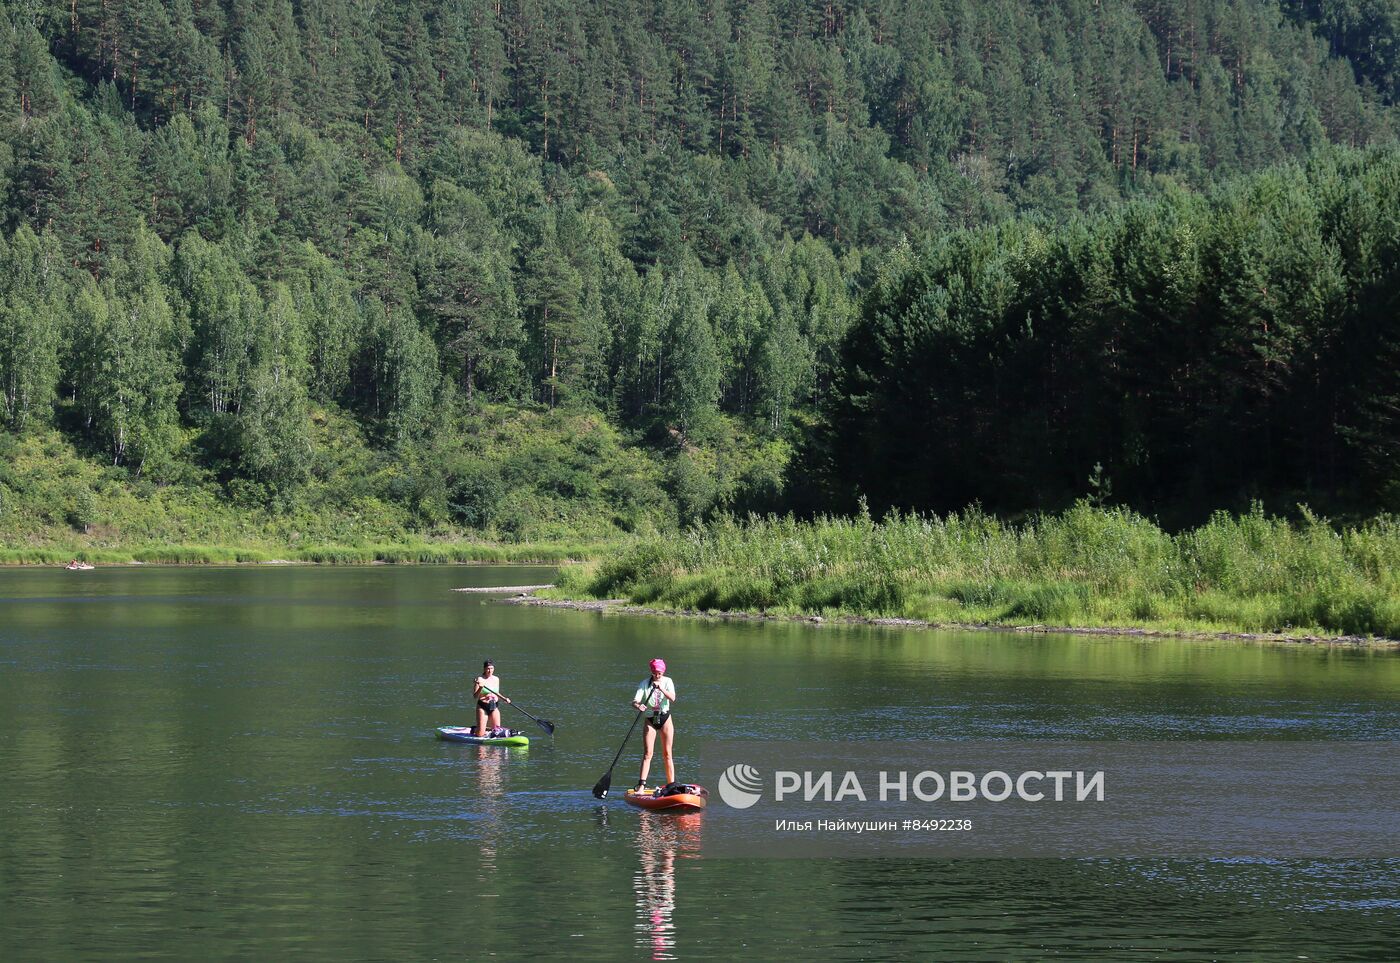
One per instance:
[(668, 738), (485, 719), (648, 742)]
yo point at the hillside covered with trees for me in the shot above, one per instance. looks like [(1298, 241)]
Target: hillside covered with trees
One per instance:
[(1184, 351), (545, 269)]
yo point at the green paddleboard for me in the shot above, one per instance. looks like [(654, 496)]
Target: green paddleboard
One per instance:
[(467, 734)]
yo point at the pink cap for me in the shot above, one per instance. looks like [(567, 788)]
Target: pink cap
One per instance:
[(658, 665)]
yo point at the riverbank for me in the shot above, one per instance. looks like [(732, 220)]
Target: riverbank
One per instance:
[(622, 607), (1085, 570), (447, 553)]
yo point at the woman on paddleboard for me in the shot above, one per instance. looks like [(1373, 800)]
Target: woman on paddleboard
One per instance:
[(487, 689), (654, 697)]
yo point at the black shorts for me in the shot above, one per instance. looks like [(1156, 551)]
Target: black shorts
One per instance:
[(658, 722), (487, 707)]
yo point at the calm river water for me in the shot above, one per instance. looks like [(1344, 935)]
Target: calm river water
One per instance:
[(239, 763)]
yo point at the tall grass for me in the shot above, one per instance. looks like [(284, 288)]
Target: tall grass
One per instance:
[(1084, 567)]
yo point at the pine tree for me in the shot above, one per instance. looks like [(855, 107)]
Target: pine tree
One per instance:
[(467, 291), (693, 376), (551, 294)]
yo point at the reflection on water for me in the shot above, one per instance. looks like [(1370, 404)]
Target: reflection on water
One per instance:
[(491, 766), (660, 839), (492, 763)]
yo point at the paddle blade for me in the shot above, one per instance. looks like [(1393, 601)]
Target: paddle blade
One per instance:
[(600, 791), (547, 726)]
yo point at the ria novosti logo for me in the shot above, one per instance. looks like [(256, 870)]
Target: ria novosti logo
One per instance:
[(740, 786)]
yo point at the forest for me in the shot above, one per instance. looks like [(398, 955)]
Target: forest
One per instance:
[(1187, 351), (526, 269)]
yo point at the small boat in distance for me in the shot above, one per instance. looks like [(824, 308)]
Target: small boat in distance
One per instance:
[(77, 566)]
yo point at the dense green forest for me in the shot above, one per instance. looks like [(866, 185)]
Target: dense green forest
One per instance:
[(553, 270), (1185, 351)]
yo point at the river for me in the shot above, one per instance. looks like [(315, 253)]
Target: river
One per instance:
[(240, 762)]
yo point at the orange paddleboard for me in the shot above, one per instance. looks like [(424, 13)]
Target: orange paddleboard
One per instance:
[(684, 802)]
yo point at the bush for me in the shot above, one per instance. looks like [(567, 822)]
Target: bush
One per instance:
[(473, 492), (83, 515)]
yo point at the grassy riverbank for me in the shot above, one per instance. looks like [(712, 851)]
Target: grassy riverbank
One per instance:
[(1087, 567)]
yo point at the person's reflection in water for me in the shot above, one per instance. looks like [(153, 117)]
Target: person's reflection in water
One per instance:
[(491, 783), (659, 840)]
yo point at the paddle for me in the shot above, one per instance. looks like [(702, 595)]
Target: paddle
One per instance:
[(600, 791), (544, 724)]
